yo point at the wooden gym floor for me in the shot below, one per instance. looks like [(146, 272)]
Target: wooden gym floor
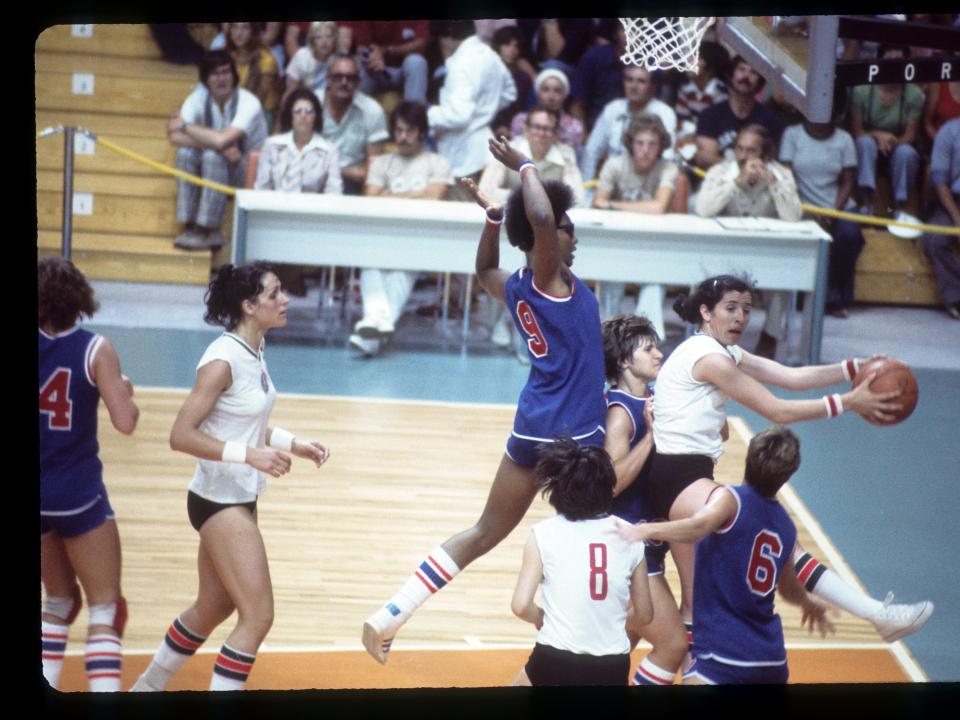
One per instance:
[(403, 476)]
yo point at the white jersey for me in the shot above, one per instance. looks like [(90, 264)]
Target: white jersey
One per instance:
[(240, 414), (689, 413), (585, 588)]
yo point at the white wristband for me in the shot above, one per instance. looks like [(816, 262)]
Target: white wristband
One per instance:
[(850, 368), (833, 404), (526, 166), (280, 439), (234, 452)]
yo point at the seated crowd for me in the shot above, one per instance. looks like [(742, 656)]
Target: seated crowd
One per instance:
[(313, 100)]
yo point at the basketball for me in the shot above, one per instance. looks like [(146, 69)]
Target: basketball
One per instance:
[(891, 375)]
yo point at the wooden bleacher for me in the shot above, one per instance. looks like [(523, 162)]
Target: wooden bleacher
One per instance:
[(129, 235)]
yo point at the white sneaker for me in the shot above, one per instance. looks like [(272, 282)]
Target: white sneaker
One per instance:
[(369, 348), (378, 633), (373, 329), (899, 620)]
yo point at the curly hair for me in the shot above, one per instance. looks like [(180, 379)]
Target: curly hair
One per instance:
[(578, 480), (644, 122), (63, 294), (622, 335), (772, 457), (519, 230), (709, 293), (227, 291)]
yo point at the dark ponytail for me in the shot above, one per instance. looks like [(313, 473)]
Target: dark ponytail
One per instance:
[(227, 291), (709, 293)]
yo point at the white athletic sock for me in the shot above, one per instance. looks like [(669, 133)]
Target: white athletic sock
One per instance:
[(231, 669), (436, 570), (831, 587), (102, 659), (178, 646), (648, 673), (53, 639)]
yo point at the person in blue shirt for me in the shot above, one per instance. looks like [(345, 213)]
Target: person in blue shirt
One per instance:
[(941, 249)]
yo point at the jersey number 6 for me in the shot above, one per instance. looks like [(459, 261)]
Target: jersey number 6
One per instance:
[(536, 342), (55, 400), (762, 573)]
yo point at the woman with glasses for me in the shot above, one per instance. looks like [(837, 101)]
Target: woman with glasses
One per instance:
[(559, 318)]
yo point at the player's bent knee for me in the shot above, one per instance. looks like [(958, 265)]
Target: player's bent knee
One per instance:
[(64, 608), (112, 615)]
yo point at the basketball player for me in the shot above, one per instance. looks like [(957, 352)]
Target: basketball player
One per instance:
[(559, 318), (688, 432), (586, 574), (632, 362), (78, 529), (746, 540), (223, 423)]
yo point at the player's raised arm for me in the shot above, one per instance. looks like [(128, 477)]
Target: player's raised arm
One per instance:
[(489, 274)]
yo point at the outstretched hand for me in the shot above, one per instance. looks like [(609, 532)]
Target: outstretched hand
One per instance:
[(630, 532), (311, 450), (506, 153), (492, 208), (814, 617)]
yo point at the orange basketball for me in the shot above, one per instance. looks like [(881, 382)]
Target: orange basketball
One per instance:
[(891, 375)]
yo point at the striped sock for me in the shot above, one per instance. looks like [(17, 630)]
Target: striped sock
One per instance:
[(231, 669), (432, 575), (53, 640), (688, 626), (178, 646), (102, 660), (648, 673)]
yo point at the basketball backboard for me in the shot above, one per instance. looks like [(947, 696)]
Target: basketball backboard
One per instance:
[(798, 55)]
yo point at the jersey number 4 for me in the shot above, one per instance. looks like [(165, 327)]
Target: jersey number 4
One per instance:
[(598, 571), (55, 400), (528, 321), (762, 572)]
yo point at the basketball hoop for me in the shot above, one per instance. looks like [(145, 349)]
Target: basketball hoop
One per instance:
[(665, 42)]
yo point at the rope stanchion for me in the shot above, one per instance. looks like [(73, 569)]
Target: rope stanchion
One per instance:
[(160, 167)]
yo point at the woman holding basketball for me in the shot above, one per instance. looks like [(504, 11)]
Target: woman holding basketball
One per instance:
[(560, 319), (689, 428), (224, 424)]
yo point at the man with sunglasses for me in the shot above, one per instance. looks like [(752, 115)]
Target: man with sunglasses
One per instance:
[(353, 122)]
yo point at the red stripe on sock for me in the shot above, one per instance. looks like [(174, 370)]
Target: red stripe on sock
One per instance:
[(652, 678), (181, 640), (111, 655), (53, 636), (439, 568), (426, 582), (95, 676), (50, 656), (226, 662)]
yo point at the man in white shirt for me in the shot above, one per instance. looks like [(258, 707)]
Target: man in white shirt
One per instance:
[(353, 122), (476, 87), (606, 138), (215, 128)]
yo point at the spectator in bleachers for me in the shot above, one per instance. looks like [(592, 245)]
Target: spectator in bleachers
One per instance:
[(215, 128), (753, 184), (552, 88), (256, 66), (309, 65), (941, 249), (391, 55), (823, 159), (606, 138), (942, 104), (410, 172), (557, 42), (885, 120), (639, 181), (477, 85), (299, 160), (352, 121), (554, 160), (485, 29), (704, 88), (506, 43), (598, 77), (719, 124)]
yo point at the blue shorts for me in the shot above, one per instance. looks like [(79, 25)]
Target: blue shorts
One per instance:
[(718, 673), (76, 522), (525, 452)]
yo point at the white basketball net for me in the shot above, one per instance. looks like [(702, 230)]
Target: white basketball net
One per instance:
[(665, 42)]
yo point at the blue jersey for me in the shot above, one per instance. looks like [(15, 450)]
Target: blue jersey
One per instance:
[(70, 471), (632, 504), (564, 392), (737, 570)]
